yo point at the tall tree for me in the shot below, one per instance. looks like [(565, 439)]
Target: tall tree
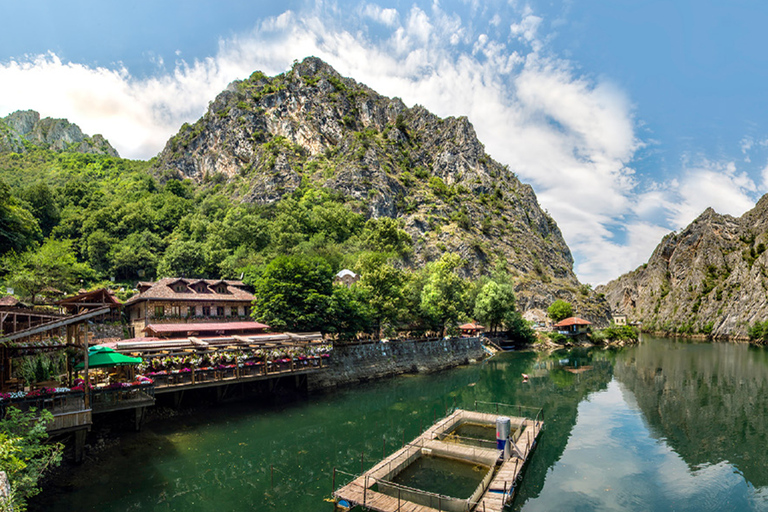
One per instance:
[(383, 287), (52, 265), (18, 227), (292, 292), (494, 304), (443, 298), (559, 310)]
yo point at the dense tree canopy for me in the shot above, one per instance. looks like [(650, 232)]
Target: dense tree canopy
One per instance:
[(293, 293), (444, 296), (70, 220), (560, 310)]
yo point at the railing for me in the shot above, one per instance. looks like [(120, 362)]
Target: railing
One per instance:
[(404, 494), (68, 409), (235, 372), (106, 399), (523, 411)]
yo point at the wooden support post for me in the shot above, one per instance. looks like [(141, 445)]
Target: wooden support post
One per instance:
[(139, 419), (79, 444)]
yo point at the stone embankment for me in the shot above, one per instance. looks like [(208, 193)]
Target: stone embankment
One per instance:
[(361, 362)]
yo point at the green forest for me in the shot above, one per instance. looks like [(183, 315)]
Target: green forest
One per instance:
[(71, 220)]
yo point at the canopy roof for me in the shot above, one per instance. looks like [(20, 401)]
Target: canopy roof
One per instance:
[(99, 355)]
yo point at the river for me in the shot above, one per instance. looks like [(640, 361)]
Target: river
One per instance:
[(665, 425)]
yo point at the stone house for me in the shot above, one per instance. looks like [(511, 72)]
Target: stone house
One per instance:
[(346, 277), (181, 300)]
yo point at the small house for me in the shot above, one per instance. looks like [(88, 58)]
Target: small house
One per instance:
[(471, 329), (572, 326), (346, 277)]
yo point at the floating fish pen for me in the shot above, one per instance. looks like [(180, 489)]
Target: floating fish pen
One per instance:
[(467, 461)]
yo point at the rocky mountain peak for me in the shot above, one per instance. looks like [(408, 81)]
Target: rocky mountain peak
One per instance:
[(264, 137), (22, 128), (709, 278)]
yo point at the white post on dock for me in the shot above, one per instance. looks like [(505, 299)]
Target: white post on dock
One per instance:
[(503, 430)]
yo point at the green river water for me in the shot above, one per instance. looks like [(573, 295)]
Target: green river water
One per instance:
[(665, 425)]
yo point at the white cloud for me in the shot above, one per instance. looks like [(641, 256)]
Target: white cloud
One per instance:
[(572, 137), (388, 17)]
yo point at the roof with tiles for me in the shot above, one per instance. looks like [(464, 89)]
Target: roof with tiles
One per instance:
[(573, 320), (181, 289)]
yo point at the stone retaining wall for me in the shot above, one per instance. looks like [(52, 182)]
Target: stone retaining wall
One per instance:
[(355, 363)]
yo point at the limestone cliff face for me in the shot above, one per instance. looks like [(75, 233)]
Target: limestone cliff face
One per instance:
[(25, 127), (262, 137), (709, 278)]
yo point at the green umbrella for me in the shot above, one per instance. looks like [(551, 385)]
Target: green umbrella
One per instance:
[(99, 355)]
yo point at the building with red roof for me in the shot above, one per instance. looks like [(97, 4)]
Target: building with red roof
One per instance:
[(471, 329), (572, 326)]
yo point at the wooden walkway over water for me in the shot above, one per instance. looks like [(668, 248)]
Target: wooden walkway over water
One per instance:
[(375, 490)]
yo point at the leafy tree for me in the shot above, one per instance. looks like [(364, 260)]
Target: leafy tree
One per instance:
[(24, 454), (560, 310), (383, 288), (43, 206), (18, 227), (52, 265), (348, 313), (495, 303), (384, 235), (183, 259), (292, 292), (136, 257), (443, 298), (518, 329)]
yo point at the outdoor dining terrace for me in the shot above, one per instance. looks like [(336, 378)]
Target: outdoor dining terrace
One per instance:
[(210, 367)]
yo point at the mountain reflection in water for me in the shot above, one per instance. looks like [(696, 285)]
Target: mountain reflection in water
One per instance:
[(662, 426)]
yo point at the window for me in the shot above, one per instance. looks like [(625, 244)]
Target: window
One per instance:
[(221, 289), (233, 311), (191, 311), (179, 288), (219, 310), (175, 310), (206, 310), (159, 311)]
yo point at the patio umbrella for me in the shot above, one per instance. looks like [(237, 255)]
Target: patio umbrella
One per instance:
[(99, 355)]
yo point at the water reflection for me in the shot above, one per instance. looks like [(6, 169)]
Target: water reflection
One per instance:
[(708, 401), (661, 426)]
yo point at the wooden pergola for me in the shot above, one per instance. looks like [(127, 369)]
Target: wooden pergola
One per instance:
[(74, 329)]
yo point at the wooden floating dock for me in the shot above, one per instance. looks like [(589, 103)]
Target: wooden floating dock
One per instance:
[(492, 495)]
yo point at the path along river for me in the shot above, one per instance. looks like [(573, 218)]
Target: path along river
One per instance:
[(665, 425)]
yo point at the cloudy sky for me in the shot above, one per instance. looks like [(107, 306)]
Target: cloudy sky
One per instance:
[(628, 117)]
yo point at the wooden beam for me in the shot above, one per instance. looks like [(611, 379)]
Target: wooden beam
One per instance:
[(54, 325)]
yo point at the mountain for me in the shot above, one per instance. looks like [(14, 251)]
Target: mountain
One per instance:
[(710, 278), (265, 137), (24, 129)]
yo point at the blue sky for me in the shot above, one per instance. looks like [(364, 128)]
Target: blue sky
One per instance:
[(628, 118)]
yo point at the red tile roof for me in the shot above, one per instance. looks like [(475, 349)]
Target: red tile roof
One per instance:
[(572, 321), (162, 290), (204, 327), (471, 326)]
